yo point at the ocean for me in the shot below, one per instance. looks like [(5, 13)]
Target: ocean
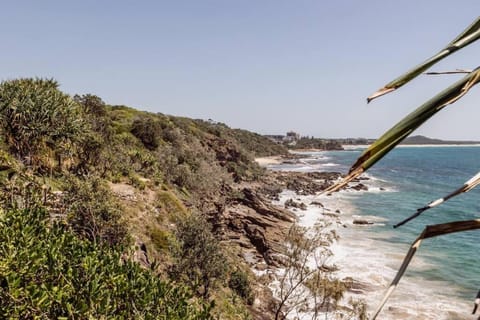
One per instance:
[(443, 278)]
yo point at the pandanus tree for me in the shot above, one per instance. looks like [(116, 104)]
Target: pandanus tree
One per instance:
[(37, 120), (405, 127)]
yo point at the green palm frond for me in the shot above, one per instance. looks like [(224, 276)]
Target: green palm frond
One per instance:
[(428, 232), (469, 35), (467, 186), (406, 126)]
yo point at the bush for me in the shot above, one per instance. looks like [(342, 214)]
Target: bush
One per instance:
[(240, 285), (198, 257), (148, 131), (92, 210), (160, 239), (46, 272), (91, 104)]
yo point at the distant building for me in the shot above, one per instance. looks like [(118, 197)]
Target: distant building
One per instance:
[(275, 137), (291, 137)]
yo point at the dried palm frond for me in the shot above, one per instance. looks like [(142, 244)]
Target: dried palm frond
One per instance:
[(428, 232), (467, 186), (469, 35), (406, 126)]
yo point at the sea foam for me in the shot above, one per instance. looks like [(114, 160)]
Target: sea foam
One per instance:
[(369, 257)]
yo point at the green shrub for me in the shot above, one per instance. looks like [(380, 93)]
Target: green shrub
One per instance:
[(198, 257), (46, 272), (240, 284), (92, 210), (161, 239), (91, 104), (38, 121), (148, 131)]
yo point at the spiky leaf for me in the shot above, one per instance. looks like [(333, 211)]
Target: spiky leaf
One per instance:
[(428, 232), (469, 35), (406, 126)]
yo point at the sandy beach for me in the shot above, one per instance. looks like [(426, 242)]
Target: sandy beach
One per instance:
[(266, 161)]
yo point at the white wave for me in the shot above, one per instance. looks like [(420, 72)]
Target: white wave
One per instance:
[(374, 261), (370, 259), (329, 164)]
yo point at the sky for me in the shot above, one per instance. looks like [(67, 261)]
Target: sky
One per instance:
[(266, 66)]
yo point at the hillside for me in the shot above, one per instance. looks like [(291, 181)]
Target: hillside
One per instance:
[(426, 140), (143, 214)]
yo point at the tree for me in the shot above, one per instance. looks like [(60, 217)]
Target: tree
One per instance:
[(148, 131), (92, 211), (38, 121), (406, 126), (91, 104), (96, 141), (198, 257), (302, 277)]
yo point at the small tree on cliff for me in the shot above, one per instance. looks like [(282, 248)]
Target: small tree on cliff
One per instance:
[(198, 257), (305, 255)]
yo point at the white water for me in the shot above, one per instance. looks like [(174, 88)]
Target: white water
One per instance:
[(372, 262)]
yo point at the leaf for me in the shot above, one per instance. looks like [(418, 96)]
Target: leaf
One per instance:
[(468, 36), (406, 126), (429, 232), (467, 186)]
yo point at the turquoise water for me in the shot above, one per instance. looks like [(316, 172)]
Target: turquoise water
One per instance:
[(418, 175)]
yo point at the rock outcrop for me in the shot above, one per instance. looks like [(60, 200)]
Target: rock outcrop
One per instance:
[(258, 226)]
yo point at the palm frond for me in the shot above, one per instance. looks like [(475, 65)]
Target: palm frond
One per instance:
[(428, 232), (406, 126), (469, 35), (467, 186)]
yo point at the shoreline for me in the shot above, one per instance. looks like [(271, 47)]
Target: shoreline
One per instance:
[(297, 196), (370, 270), (266, 161)]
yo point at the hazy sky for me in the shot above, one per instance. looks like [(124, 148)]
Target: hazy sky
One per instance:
[(266, 66)]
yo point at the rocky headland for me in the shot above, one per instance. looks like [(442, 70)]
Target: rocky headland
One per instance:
[(257, 221)]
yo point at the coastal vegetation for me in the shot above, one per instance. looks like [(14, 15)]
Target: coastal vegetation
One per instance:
[(316, 143), (111, 212), (103, 206)]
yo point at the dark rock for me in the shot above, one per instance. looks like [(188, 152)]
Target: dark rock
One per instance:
[(361, 222), (316, 203), (290, 203), (306, 183), (257, 238), (359, 187), (256, 202)]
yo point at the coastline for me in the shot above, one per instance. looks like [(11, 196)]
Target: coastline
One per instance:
[(297, 195), (370, 270)]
